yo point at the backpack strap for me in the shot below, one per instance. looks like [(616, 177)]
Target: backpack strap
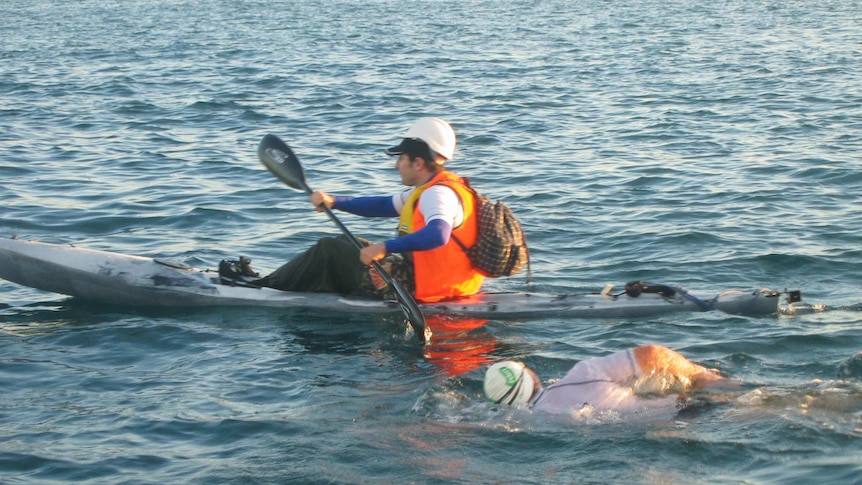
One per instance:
[(450, 183)]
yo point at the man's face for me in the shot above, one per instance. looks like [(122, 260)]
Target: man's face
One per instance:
[(409, 170)]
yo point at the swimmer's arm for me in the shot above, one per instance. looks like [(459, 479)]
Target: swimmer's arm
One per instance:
[(656, 359)]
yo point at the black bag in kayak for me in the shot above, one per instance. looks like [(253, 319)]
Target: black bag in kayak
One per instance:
[(237, 272), (635, 288), (501, 247)]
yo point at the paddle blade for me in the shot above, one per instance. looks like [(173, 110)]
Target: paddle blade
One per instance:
[(282, 162), (411, 309)]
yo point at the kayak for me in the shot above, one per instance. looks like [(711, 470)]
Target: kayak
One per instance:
[(120, 279)]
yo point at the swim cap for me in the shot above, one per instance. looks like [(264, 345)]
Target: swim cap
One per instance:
[(509, 382)]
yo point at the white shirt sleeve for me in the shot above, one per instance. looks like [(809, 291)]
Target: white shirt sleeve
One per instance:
[(437, 202), (441, 202)]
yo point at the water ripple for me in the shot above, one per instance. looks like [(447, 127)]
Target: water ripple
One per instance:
[(711, 145)]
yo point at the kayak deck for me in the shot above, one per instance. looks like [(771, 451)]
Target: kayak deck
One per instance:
[(120, 279)]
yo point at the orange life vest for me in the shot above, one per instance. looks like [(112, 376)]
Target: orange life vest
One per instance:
[(446, 271)]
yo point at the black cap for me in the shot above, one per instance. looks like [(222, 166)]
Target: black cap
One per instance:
[(413, 147)]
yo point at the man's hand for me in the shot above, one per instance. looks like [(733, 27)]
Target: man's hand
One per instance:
[(374, 252), (320, 198)]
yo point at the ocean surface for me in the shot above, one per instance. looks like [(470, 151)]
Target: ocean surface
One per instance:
[(711, 145)]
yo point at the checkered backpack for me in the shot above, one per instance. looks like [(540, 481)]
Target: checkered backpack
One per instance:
[(501, 248)]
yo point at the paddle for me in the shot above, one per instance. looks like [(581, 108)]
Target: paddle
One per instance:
[(283, 163)]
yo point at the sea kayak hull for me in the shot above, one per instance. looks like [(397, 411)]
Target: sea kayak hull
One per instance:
[(120, 279)]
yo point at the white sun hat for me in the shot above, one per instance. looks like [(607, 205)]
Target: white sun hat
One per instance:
[(435, 132)]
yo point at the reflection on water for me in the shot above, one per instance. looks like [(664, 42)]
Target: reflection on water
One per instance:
[(458, 346)]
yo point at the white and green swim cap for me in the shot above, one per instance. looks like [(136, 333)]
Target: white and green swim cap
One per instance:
[(509, 382)]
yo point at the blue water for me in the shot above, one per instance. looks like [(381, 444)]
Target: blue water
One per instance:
[(712, 145)]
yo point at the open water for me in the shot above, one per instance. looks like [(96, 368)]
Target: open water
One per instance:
[(712, 145)]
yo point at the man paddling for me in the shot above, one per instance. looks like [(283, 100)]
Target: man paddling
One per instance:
[(424, 257), (645, 377)]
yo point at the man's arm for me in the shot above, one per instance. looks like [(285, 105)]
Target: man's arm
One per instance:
[(434, 235), (656, 359), (441, 208), (378, 206)]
